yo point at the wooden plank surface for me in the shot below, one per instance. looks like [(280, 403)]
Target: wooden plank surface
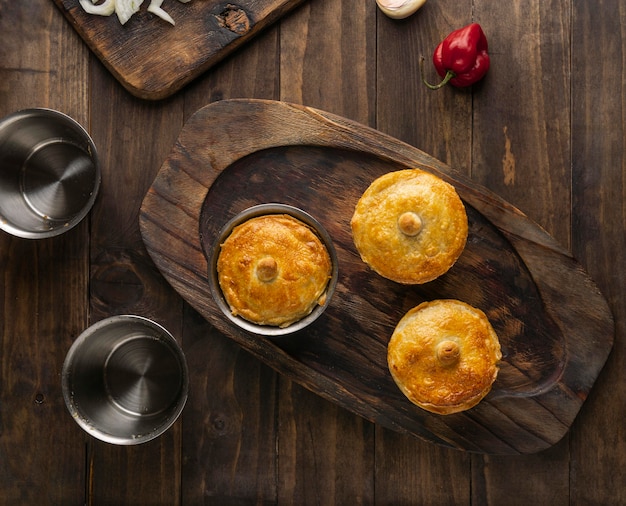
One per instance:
[(598, 225), (122, 278), (232, 415), (291, 447), (43, 289)]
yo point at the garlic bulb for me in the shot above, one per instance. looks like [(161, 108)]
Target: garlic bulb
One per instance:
[(399, 9)]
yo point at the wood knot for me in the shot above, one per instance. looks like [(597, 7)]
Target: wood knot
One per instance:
[(266, 269), (117, 280), (410, 223), (448, 352), (235, 19)]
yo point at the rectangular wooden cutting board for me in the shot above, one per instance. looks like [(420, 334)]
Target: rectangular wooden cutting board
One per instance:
[(153, 59)]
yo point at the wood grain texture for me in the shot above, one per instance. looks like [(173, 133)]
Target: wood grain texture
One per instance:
[(231, 417), (153, 59), (325, 70), (510, 268), (249, 435), (42, 454), (598, 233), (123, 281), (514, 144), (523, 153), (437, 123), (441, 125)]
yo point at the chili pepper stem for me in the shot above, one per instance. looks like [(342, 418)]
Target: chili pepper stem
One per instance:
[(449, 75)]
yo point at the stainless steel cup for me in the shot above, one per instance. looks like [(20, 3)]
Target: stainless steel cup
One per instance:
[(261, 210), (125, 380), (49, 173)]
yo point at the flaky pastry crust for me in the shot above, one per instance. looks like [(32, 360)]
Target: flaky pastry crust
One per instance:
[(410, 226), (273, 270), (443, 355)]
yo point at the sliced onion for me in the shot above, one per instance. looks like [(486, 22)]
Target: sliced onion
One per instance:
[(104, 9), (155, 8), (126, 8)]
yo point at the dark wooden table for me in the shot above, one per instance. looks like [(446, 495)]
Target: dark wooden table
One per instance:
[(545, 131)]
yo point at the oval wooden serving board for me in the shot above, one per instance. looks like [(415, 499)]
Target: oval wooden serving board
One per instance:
[(555, 328), (153, 59)]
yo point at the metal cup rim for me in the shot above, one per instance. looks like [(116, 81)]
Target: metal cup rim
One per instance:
[(81, 420), (262, 210), (77, 218)]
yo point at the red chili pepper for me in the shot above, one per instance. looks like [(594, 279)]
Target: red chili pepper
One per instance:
[(461, 58)]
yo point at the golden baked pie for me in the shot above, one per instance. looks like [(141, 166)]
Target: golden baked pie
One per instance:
[(443, 355), (273, 270), (410, 226)]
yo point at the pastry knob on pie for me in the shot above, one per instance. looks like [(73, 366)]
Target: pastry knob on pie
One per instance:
[(273, 270), (410, 226), (443, 355)]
